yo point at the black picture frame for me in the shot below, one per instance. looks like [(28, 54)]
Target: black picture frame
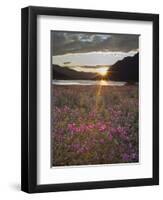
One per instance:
[(29, 99)]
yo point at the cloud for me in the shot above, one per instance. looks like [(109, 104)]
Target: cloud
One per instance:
[(74, 42)]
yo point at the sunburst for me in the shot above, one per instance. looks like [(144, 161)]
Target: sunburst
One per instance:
[(103, 71)]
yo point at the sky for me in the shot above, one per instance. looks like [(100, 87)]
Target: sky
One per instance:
[(90, 51)]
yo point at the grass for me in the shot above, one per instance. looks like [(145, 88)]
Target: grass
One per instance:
[(94, 125)]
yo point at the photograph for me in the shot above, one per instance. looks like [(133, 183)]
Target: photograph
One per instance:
[(94, 98), (89, 99)]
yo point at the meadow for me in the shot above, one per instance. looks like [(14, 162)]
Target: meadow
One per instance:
[(94, 125)]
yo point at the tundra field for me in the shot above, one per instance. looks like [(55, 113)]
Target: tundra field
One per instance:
[(94, 124)]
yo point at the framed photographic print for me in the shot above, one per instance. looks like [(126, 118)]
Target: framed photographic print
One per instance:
[(90, 99)]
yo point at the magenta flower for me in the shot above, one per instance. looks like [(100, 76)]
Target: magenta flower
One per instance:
[(102, 141), (110, 136), (125, 157), (90, 126), (102, 127)]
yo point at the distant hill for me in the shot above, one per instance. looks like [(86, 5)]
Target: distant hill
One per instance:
[(123, 70), (66, 73), (126, 69)]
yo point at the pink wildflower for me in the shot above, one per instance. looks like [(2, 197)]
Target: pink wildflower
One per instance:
[(102, 127), (110, 137), (102, 141)]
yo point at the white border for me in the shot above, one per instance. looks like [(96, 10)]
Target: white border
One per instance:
[(48, 175)]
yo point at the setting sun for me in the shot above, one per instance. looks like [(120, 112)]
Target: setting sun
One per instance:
[(103, 71)]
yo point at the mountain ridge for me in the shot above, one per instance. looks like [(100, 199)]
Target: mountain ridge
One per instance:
[(126, 69)]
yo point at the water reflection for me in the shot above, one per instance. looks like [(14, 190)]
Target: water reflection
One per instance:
[(103, 82), (88, 82)]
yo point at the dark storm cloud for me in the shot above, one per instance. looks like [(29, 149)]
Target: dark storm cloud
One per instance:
[(73, 42)]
